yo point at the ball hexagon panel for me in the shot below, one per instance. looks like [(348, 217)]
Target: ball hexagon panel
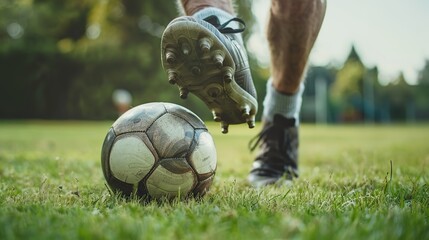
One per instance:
[(163, 182), (171, 136), (203, 157), (203, 186), (130, 159), (105, 153), (189, 116), (138, 118)]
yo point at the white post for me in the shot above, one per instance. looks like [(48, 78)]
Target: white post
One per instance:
[(321, 97)]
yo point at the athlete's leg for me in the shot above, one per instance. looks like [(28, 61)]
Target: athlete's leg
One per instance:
[(292, 30)]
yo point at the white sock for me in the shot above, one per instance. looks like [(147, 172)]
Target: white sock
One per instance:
[(276, 102)]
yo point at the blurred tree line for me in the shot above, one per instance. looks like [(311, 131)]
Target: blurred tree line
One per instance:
[(64, 59), (353, 93)]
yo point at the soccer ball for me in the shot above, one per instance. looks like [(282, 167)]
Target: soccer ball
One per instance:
[(159, 150)]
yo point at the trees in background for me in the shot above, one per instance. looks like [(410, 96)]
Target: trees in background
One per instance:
[(354, 94), (421, 93), (64, 59), (347, 90)]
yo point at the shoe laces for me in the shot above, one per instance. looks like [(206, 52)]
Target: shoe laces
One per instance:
[(223, 28), (274, 128), (254, 142)]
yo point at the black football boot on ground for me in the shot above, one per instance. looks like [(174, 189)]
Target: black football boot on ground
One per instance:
[(277, 160)]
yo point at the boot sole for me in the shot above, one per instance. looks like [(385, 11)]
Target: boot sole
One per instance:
[(198, 62)]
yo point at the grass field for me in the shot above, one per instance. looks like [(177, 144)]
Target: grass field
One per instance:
[(357, 182)]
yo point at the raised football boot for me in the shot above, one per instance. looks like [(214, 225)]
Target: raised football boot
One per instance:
[(277, 159), (206, 57)]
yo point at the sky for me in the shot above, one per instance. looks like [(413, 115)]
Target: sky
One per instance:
[(390, 34)]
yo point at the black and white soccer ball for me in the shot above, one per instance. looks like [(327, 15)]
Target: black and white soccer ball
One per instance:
[(159, 150)]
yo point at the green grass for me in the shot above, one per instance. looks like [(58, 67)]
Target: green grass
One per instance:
[(52, 187)]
